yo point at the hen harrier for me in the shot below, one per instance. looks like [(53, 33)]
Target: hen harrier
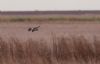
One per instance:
[(33, 28)]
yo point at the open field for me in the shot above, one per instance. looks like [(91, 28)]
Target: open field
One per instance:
[(61, 39), (20, 30), (50, 18)]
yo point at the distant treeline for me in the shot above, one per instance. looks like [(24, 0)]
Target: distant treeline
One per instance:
[(73, 12)]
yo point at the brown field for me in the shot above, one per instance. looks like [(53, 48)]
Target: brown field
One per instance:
[(20, 30), (61, 50), (59, 40)]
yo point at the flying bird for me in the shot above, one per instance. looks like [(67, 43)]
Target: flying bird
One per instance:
[(33, 28)]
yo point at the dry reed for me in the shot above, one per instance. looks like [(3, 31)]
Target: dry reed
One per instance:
[(63, 50)]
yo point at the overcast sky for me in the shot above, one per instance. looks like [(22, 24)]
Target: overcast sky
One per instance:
[(8, 5)]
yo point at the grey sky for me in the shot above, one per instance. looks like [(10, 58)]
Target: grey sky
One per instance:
[(49, 5)]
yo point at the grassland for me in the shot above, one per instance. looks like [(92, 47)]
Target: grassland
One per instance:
[(50, 18), (61, 50)]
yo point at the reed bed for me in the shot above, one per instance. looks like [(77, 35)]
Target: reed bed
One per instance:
[(61, 50)]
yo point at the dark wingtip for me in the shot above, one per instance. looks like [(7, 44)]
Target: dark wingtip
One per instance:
[(38, 26), (29, 29)]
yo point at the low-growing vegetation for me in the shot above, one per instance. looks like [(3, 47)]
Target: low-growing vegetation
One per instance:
[(61, 50), (51, 19)]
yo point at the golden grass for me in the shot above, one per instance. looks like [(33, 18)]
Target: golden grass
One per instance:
[(61, 50), (50, 18)]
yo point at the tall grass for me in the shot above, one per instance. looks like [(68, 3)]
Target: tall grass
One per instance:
[(61, 50)]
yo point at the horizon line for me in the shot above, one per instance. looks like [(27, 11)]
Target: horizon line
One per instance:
[(44, 10)]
